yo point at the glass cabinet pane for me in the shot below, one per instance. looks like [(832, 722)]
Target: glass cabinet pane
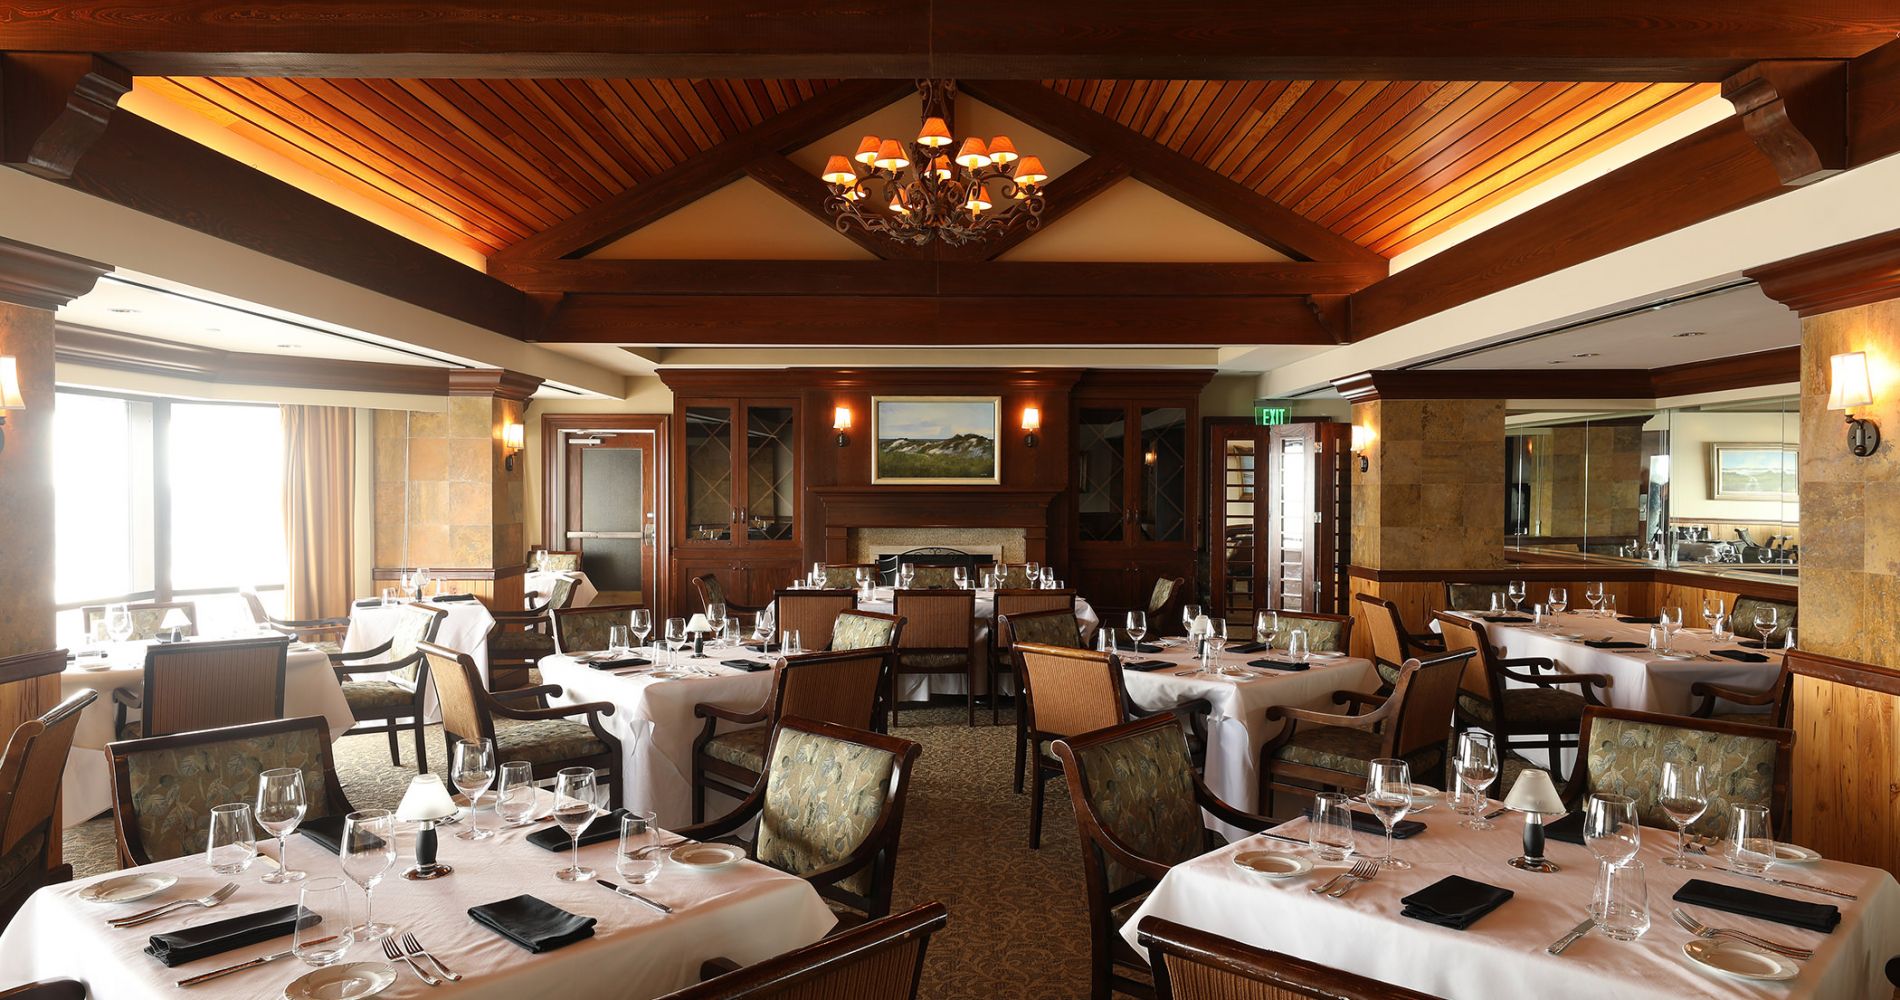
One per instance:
[(709, 500), (771, 489), (1101, 454), (1236, 485), (1164, 472)]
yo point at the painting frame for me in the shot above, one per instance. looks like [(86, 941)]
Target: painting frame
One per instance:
[(1729, 459), (953, 411)]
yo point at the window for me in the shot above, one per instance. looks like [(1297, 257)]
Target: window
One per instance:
[(168, 501)]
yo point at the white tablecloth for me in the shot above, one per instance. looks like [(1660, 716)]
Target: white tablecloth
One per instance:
[(1237, 723), (1502, 955), (465, 629), (310, 688), (747, 913), (661, 779), (537, 582)]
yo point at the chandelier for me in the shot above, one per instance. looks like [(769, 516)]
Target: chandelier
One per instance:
[(923, 193)]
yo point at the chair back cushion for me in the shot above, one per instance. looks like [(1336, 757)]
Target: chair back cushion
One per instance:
[(562, 562), (823, 797), (584, 630), (210, 685), (852, 630), (560, 592), (844, 576), (1042, 628), (936, 619), (1140, 788), (1010, 603), (1626, 756), (464, 712), (1012, 576), (1743, 618), (415, 625), (171, 790), (1162, 593), (841, 690), (813, 613), (934, 578), (1323, 634), (1070, 694), (1470, 596)]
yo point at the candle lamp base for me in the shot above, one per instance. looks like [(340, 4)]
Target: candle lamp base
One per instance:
[(1535, 864)]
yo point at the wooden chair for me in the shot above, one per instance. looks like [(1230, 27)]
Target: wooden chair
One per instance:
[(1192, 964), (712, 592), (812, 613), (859, 629), (880, 960), (324, 633), (520, 639), (1318, 751), (939, 638), (30, 771), (830, 810), (396, 685), (842, 688), (205, 685), (547, 738), (561, 561), (51, 989), (1066, 692), (1012, 576), (1472, 596), (1623, 751), (1045, 628), (560, 594), (1324, 633), (844, 576), (589, 629), (1018, 603), (1776, 701), (163, 787), (1392, 645), (1132, 832), (937, 578), (1742, 619), (1163, 597), (147, 618), (1540, 714)]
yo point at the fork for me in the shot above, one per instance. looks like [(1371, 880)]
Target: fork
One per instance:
[(1702, 930), (394, 954), (415, 950), (1321, 888), (650, 848), (1362, 871), (214, 899)]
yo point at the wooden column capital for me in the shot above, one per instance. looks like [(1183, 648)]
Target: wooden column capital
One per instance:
[(1838, 277), (54, 106), (39, 278), (1796, 111)]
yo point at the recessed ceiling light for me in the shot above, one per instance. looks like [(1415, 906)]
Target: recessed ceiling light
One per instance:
[(214, 329), (1586, 354), (122, 309), (287, 347), (1558, 362), (1691, 333)]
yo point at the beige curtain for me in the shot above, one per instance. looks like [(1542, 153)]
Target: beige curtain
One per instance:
[(319, 469)]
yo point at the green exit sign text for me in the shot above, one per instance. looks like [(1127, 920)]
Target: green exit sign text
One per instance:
[(1267, 416)]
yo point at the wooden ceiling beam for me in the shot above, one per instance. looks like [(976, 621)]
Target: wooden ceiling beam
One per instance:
[(799, 186), (707, 171), (1172, 173), (906, 39), (54, 106), (1064, 193)]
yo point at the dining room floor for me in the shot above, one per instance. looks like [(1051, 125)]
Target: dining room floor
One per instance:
[(1018, 918)]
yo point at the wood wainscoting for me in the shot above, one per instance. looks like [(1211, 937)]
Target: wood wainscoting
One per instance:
[(1844, 787)]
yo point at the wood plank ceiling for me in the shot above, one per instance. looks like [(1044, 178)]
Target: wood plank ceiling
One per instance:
[(1385, 164)]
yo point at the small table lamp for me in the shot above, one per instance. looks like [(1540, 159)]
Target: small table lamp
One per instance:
[(175, 619), (697, 627), (426, 803), (1535, 797)]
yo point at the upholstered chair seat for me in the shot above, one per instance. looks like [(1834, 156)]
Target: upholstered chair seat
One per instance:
[(1745, 764), (1336, 748), (376, 694), (543, 741), (741, 747), (1530, 707), (522, 644)]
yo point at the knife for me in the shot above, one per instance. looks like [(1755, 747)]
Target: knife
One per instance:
[(241, 966), (1557, 947), (657, 905), (1823, 890)]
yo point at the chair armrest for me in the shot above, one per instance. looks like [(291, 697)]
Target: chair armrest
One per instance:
[(338, 659), (1227, 813), (128, 697), (704, 711), (590, 708), (1710, 693), (1552, 680), (520, 618), (1533, 662), (538, 691), (731, 822), (1359, 699), (1276, 713), (309, 623), (343, 670), (1427, 641)]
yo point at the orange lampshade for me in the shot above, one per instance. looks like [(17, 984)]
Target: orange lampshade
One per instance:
[(853, 194), (1002, 150), (890, 156), (973, 154), (867, 149), (1029, 171), (934, 133), (977, 202), (838, 171), (897, 205), (941, 167)]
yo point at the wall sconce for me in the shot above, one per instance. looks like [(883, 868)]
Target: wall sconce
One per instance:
[(1148, 457), (1361, 440), (513, 437), (1032, 422), (1849, 387), (841, 422), (9, 394)]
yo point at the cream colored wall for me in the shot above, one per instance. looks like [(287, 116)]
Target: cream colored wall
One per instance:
[(1691, 433), (1228, 396), (644, 395)]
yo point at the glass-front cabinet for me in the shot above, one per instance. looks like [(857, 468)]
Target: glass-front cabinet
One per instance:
[(737, 498)]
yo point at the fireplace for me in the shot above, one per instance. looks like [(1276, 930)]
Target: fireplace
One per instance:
[(859, 523)]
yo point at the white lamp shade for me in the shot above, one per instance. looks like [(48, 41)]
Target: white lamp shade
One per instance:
[(1533, 793), (1200, 626), (1848, 385), (698, 623), (176, 618), (425, 800), (10, 385)]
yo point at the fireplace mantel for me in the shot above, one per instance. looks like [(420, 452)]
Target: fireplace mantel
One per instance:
[(842, 508)]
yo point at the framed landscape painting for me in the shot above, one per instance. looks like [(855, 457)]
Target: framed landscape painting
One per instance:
[(936, 440), (1754, 472)]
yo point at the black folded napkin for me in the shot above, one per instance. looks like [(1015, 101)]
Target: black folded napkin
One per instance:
[(367, 602), (1569, 829), (446, 598), (1250, 648), (190, 944), (1454, 901), (1278, 664), (1368, 823), (1137, 647), (553, 838), (619, 663), (1613, 644), (1739, 654), (1146, 665), (762, 647), (748, 665), (532, 924), (1637, 619), (1509, 620), (324, 831), (1749, 903), (1750, 643)]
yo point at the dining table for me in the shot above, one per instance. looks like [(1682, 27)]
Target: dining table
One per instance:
[(746, 912), (1503, 956), (465, 629), (310, 688), (537, 581)]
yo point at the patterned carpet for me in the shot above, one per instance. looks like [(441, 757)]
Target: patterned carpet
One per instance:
[(1018, 920)]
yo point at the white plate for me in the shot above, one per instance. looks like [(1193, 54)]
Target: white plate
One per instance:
[(93, 668), (1794, 854), (1736, 959), (1424, 798), (1272, 864), (667, 675), (707, 857), (348, 981), (1568, 636), (128, 888)]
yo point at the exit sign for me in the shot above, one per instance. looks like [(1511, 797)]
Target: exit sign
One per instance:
[(1267, 416)]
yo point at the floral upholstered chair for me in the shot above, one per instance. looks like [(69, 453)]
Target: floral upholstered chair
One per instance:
[(1624, 751), (830, 810), (520, 639), (1138, 804), (1472, 596), (858, 629), (163, 787), (1392, 645), (1324, 633), (589, 629), (879, 960), (712, 592), (1014, 604), (30, 770), (390, 683), (939, 637), (934, 578)]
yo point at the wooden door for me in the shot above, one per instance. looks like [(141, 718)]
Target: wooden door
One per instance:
[(1236, 491), (611, 515), (1288, 545)]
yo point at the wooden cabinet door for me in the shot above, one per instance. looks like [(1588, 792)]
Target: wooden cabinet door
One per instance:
[(709, 493), (768, 484)]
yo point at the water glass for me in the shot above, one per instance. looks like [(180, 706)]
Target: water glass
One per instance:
[(1476, 766), (1751, 842), (1105, 640), (1329, 833), (515, 796), (619, 638), (325, 939), (231, 846), (1389, 796), (1608, 607), (1721, 629), (637, 861), (1540, 617), (1684, 797), (789, 643), (368, 851), (640, 623), (576, 804), (1296, 648), (1137, 625), (1558, 599), (1611, 833), (389, 597), (1515, 590), (280, 808), (473, 770), (1497, 602), (1625, 901)]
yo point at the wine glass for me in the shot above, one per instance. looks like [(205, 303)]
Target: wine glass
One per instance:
[(1137, 626), (675, 639), (1266, 625), (961, 575), (863, 577), (119, 622), (515, 796), (1557, 600), (1594, 594), (368, 851), (411, 590), (576, 803), (1766, 618), (1216, 641), (1389, 796), (716, 616), (473, 770), (1684, 796), (637, 861), (1515, 591), (1476, 767), (641, 624), (906, 576), (422, 581), (1189, 612), (1611, 833), (280, 808), (1031, 572), (1669, 619), (1712, 608), (230, 846), (789, 644), (326, 939)]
